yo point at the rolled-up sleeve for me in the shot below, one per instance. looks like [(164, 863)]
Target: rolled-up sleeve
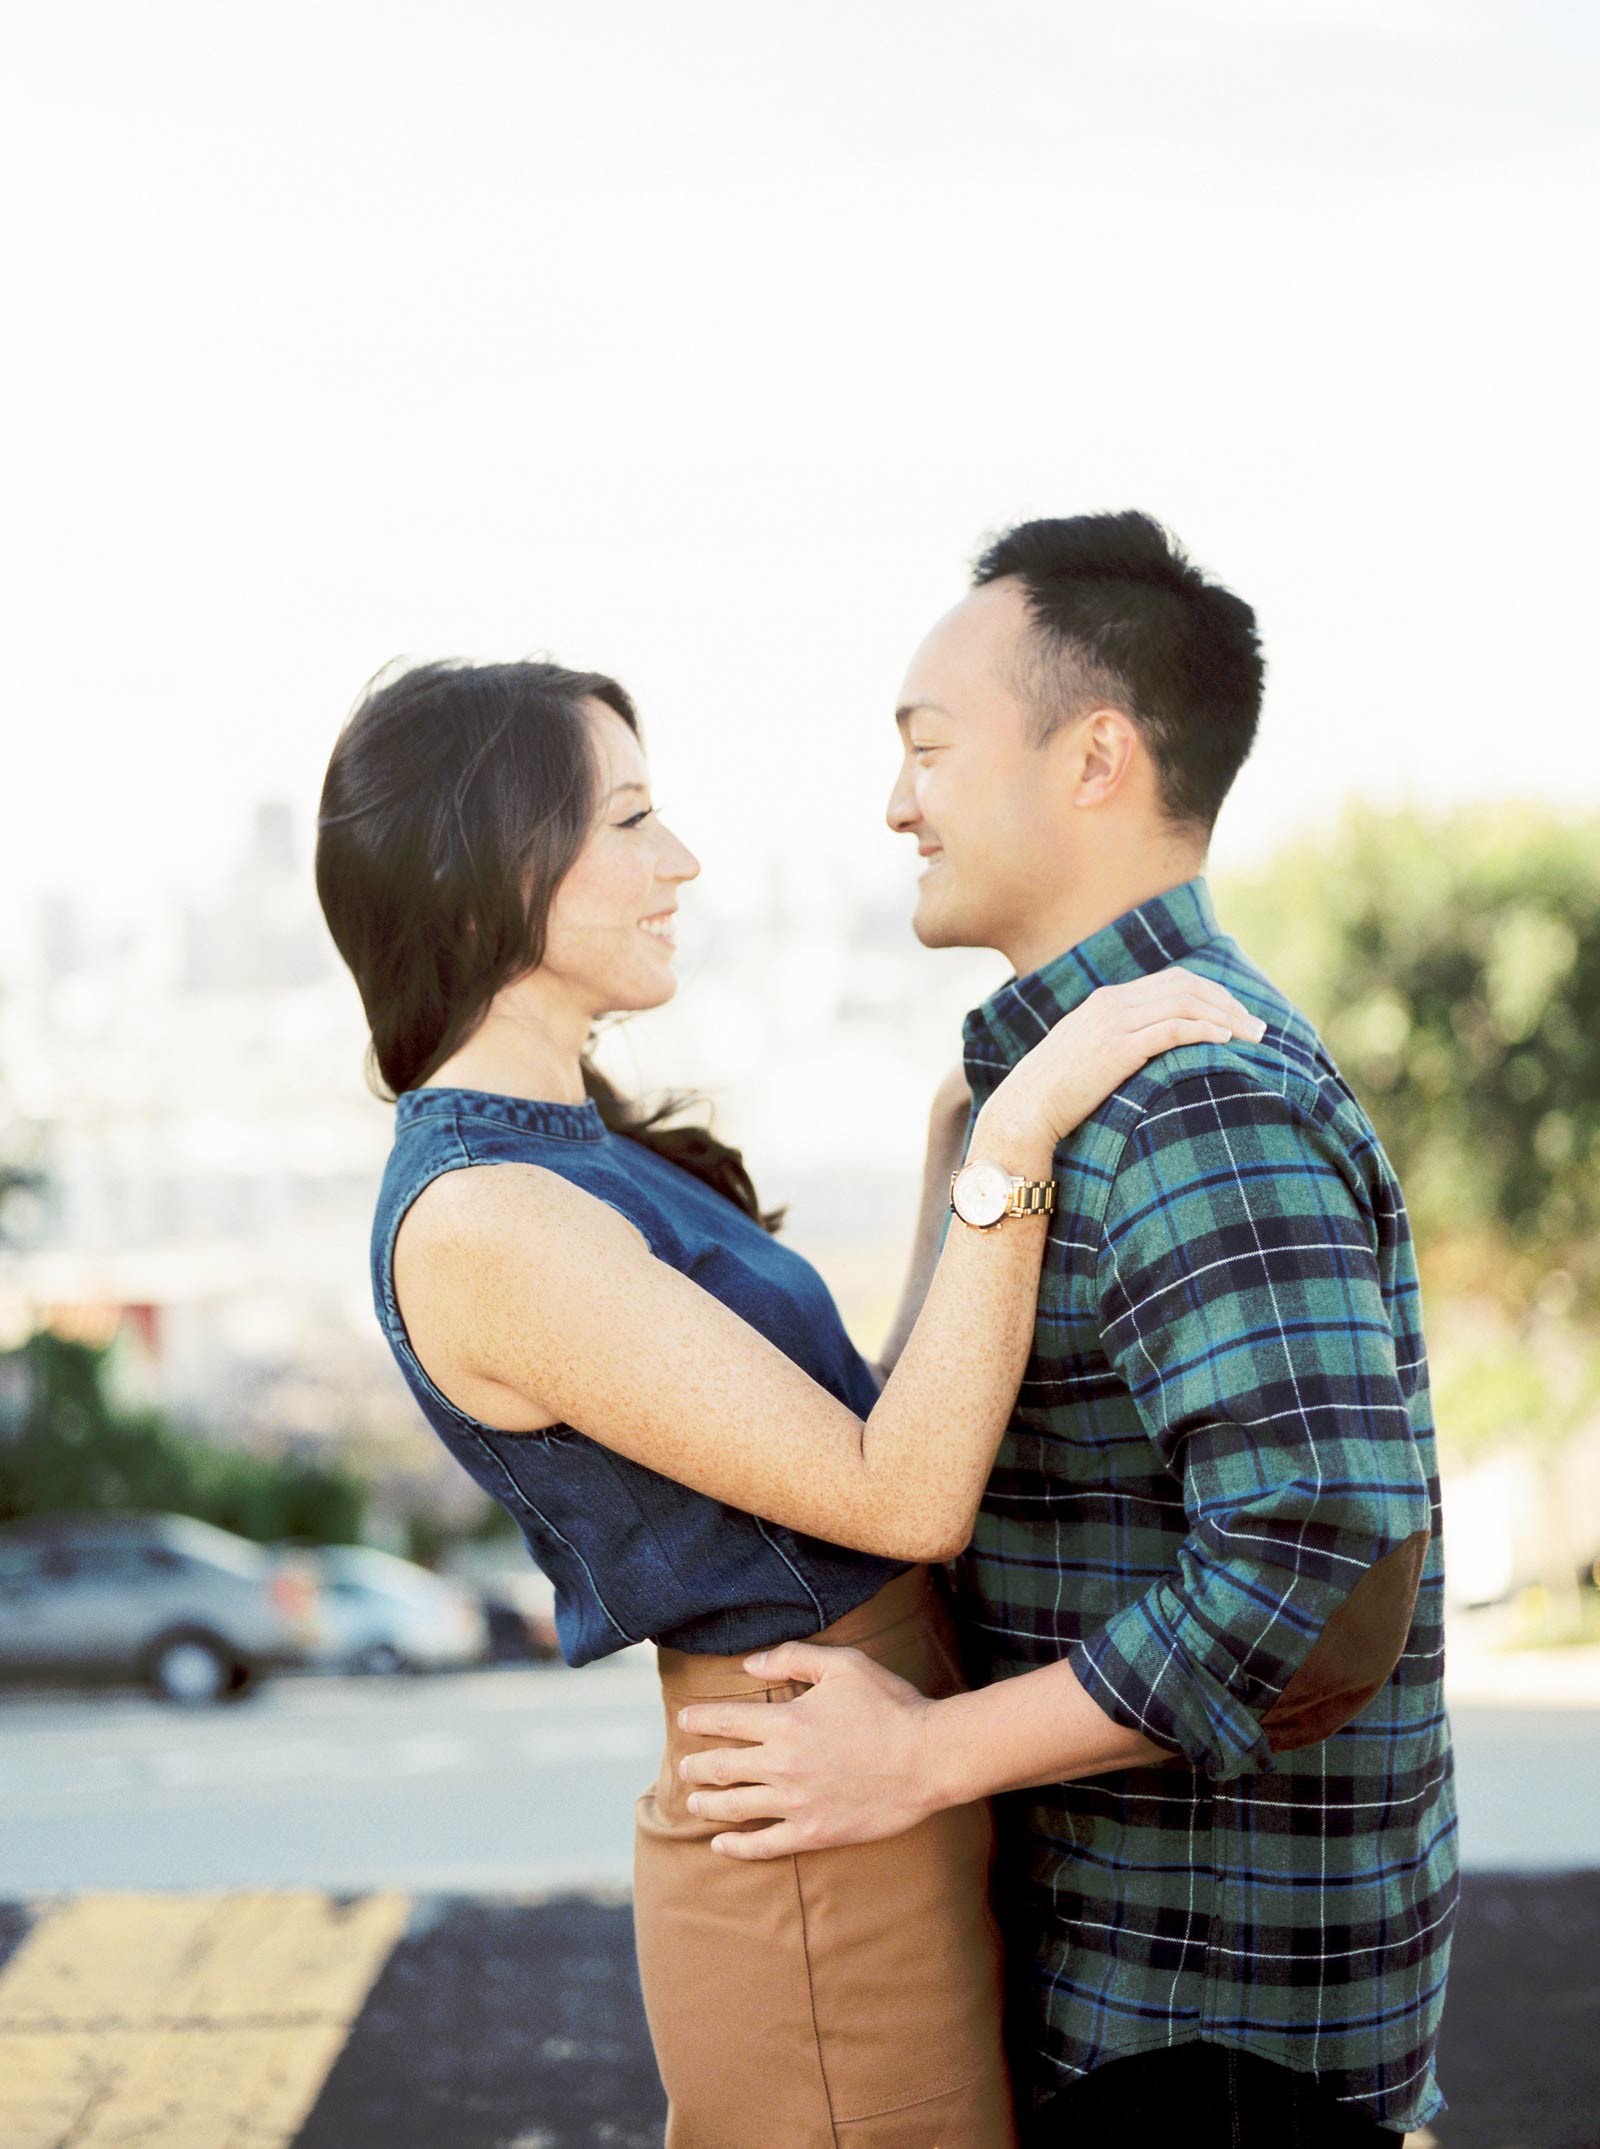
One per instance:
[(1241, 1284)]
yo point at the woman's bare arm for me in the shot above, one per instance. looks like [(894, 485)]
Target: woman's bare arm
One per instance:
[(551, 1295), (560, 1297)]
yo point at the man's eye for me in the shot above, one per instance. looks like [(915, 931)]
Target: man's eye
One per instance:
[(920, 750)]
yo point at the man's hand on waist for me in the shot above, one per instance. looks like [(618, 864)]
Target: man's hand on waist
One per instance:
[(863, 1755), (850, 1760)]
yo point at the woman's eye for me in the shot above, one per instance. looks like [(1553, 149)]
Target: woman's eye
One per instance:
[(634, 820), (919, 751)]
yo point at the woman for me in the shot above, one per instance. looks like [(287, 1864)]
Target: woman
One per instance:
[(596, 1321)]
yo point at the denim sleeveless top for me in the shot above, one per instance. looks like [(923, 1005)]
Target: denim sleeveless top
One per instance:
[(632, 1554)]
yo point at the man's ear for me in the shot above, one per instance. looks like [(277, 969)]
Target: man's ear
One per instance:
[(1107, 743)]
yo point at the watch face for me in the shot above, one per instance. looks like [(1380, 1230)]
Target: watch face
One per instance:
[(981, 1194)]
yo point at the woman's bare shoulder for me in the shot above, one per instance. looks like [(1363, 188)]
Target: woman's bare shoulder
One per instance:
[(478, 1211)]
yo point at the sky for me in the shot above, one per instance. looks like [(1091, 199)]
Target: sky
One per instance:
[(704, 345)]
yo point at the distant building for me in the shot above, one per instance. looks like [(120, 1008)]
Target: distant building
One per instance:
[(193, 1082)]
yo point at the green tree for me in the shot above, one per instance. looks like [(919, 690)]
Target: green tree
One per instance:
[(63, 1447), (1453, 965)]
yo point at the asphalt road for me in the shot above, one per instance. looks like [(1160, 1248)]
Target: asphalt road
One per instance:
[(1519, 2058), (462, 2043), (511, 1780), (473, 1783)]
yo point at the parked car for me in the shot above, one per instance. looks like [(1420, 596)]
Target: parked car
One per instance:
[(383, 1614), (521, 1611), (194, 1612)]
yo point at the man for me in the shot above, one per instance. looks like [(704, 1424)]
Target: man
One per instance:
[(1202, 1601)]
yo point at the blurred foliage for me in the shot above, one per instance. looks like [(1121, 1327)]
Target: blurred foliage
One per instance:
[(429, 1535), (1541, 1387), (1453, 965), (1550, 1619), (63, 1446)]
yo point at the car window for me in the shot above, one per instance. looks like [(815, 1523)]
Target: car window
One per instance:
[(124, 1563), (203, 1545), (37, 1563), (364, 1567), (381, 1591)]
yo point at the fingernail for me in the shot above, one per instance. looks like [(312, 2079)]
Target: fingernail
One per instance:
[(1261, 1029), (756, 1663), (683, 1719), (694, 1802)]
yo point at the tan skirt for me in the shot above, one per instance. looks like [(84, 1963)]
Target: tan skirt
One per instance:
[(842, 1999)]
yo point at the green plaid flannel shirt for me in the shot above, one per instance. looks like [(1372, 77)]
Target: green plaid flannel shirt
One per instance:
[(1218, 1499)]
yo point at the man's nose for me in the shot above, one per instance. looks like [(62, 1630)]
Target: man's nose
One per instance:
[(901, 812)]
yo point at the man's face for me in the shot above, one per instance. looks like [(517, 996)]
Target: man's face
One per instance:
[(986, 805)]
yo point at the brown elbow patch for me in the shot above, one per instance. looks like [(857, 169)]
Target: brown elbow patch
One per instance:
[(1354, 1654)]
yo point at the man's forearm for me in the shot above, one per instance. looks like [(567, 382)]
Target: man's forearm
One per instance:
[(862, 1754), (1041, 1727)]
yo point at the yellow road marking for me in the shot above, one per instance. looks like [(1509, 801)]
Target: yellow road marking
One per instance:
[(183, 2022)]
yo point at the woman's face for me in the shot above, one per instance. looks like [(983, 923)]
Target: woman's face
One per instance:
[(611, 934)]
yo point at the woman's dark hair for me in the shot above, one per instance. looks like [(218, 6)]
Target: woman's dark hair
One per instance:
[(456, 799)]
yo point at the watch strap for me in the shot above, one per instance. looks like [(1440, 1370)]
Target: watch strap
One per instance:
[(1032, 1197)]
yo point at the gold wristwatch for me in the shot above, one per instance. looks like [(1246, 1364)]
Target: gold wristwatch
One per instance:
[(981, 1194)]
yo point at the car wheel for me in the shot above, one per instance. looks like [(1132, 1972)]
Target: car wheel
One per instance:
[(192, 1669), (381, 1657)]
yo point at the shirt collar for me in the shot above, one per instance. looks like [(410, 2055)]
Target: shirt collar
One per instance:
[(1152, 936), (533, 1115)]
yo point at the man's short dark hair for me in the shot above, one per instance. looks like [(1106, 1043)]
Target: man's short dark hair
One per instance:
[(1121, 618)]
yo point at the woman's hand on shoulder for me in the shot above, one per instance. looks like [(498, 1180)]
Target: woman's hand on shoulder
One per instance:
[(1093, 1050)]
